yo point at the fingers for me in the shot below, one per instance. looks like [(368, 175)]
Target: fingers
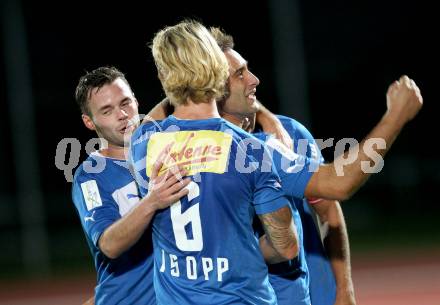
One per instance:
[(408, 83), (173, 178), (404, 99), (178, 195), (405, 80), (159, 164), (170, 193), (169, 186), (393, 87), (178, 186), (156, 169), (414, 86), (170, 176), (280, 133), (287, 140), (411, 85)]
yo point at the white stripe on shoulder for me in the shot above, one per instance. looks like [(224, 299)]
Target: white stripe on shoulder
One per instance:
[(281, 148)]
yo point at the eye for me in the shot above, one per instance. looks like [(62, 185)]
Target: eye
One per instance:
[(106, 112), (126, 102)]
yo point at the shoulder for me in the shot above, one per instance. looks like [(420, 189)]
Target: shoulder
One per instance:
[(85, 188), (147, 129), (141, 137), (240, 134), (99, 169), (82, 175)]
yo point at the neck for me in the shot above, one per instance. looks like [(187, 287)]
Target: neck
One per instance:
[(200, 111), (115, 152), (235, 119)]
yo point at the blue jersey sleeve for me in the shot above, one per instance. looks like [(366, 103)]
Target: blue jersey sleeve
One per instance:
[(95, 205), (268, 194), (295, 167), (294, 170), (304, 142)]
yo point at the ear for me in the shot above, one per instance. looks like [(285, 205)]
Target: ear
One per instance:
[(88, 122)]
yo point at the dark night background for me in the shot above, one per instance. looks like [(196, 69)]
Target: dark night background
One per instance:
[(352, 51)]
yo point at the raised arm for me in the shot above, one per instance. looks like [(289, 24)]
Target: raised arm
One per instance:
[(403, 101)]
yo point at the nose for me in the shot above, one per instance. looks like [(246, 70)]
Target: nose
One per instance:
[(122, 114), (253, 80)]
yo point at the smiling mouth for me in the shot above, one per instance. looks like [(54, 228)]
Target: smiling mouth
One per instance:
[(252, 95)]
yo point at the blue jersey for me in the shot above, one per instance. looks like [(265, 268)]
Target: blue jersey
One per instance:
[(322, 282), (103, 191), (204, 248)]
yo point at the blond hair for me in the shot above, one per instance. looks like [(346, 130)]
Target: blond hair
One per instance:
[(190, 63)]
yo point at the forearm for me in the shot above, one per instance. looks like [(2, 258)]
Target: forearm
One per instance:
[(271, 256), (125, 232), (342, 178), (159, 112), (354, 175), (281, 233), (340, 262), (338, 249)]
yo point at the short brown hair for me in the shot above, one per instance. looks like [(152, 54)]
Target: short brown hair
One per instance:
[(224, 41), (95, 79)]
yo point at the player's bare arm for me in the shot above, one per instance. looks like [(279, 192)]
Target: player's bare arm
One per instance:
[(337, 247), (160, 111), (403, 102), (280, 243)]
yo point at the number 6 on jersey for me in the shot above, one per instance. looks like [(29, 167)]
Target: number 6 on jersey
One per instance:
[(191, 215)]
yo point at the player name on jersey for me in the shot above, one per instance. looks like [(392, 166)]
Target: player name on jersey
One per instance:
[(189, 267)]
